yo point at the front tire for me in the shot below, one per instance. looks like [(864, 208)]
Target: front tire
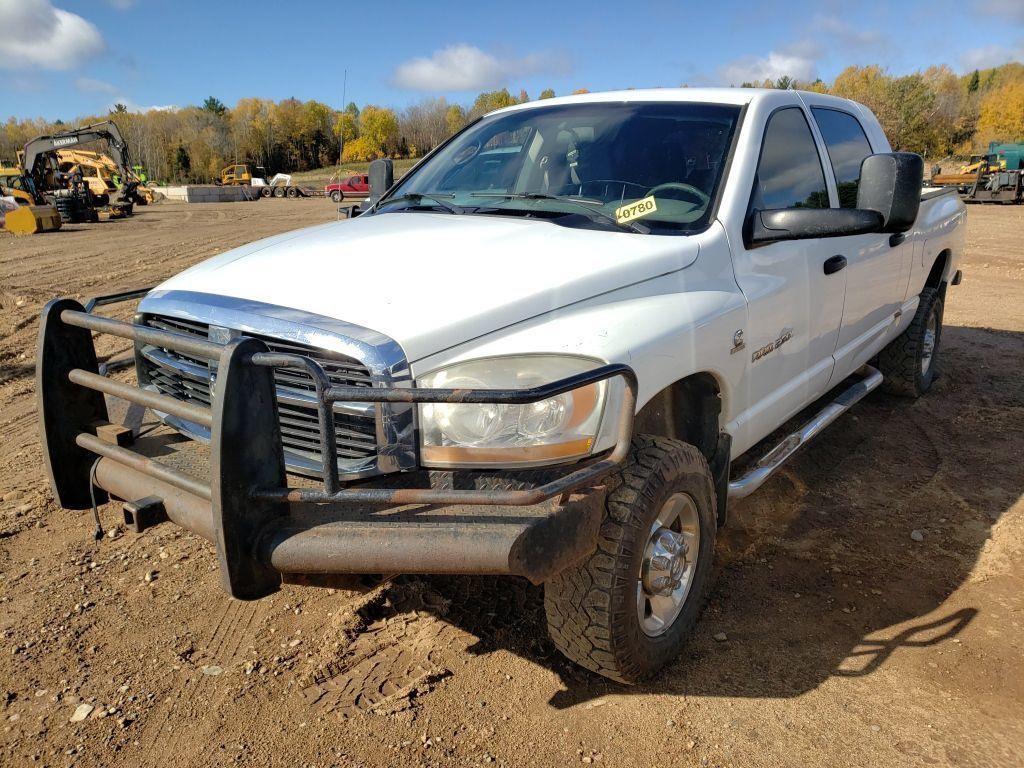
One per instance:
[(336, 196), (626, 610), (910, 362)]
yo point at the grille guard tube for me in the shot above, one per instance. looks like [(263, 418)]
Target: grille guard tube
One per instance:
[(257, 536)]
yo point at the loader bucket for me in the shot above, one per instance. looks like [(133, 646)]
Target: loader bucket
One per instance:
[(32, 219)]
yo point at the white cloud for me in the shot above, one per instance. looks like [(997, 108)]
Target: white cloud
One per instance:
[(990, 56), (1003, 10), (465, 67), (135, 107), (114, 95), (38, 36), (798, 60)]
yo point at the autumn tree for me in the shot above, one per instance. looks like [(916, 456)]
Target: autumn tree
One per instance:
[(424, 125), (378, 135), (1001, 115), (455, 119), (903, 105), (346, 127), (488, 101)]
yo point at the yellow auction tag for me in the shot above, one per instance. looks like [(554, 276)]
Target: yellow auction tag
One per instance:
[(631, 211)]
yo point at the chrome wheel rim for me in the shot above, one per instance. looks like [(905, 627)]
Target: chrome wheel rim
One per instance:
[(928, 343), (668, 565)]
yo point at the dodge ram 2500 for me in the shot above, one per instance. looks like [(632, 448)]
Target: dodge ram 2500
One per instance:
[(556, 349)]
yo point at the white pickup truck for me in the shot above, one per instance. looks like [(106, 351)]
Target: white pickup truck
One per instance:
[(555, 349)]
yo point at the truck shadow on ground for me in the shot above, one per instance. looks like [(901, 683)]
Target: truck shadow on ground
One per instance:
[(818, 575)]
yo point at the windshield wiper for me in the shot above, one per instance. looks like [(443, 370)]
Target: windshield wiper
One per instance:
[(587, 205), (417, 197)]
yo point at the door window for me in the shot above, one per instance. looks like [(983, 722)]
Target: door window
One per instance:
[(789, 173), (847, 147)]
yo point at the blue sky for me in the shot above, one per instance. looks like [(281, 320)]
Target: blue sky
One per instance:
[(66, 58)]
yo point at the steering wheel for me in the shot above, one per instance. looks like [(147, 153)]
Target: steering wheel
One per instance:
[(608, 182), (702, 198)]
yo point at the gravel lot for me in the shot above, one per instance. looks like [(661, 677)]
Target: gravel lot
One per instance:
[(842, 638)]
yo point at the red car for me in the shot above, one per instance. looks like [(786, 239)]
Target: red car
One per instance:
[(353, 186)]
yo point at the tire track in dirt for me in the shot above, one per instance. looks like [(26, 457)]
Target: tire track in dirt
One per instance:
[(406, 637), (393, 650), (233, 629)]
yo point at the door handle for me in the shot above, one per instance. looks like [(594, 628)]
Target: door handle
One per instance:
[(834, 264)]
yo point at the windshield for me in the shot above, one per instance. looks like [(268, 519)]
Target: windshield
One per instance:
[(582, 165)]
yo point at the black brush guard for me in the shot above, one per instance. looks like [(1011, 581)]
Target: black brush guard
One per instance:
[(265, 531)]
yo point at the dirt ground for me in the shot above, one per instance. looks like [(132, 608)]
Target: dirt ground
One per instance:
[(848, 641)]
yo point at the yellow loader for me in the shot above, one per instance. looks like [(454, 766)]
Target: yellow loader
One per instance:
[(28, 218)]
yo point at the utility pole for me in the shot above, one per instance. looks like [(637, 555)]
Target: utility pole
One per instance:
[(341, 128), (341, 131)]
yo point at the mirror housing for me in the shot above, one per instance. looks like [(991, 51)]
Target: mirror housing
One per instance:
[(806, 223), (891, 185), (382, 176)]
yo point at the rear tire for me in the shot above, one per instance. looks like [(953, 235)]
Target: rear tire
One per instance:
[(910, 362), (292, 192), (612, 613), (278, 191), (265, 191)]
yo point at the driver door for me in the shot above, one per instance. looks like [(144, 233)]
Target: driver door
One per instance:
[(795, 303)]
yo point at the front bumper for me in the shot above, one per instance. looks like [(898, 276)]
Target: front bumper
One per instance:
[(265, 531)]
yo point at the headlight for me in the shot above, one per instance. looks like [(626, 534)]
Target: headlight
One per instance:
[(561, 428)]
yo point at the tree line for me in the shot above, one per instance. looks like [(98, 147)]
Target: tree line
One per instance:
[(935, 112)]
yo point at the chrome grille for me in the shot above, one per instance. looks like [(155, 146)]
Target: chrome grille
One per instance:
[(188, 378)]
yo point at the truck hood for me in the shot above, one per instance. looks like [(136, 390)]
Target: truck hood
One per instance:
[(431, 281)]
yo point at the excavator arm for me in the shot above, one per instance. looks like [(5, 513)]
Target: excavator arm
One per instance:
[(37, 150)]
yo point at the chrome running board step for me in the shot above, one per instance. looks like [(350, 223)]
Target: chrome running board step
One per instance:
[(781, 453)]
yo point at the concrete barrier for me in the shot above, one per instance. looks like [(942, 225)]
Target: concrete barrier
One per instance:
[(208, 193)]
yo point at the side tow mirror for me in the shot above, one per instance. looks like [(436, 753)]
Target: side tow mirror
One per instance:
[(808, 223), (891, 185), (382, 176)]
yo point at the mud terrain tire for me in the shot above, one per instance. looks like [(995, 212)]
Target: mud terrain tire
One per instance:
[(593, 609), (910, 362)]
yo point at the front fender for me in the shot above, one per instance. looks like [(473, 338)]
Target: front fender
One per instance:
[(665, 328)]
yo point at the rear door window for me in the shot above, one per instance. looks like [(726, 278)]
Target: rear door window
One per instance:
[(847, 147), (789, 173)]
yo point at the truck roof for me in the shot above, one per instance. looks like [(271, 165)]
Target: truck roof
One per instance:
[(737, 96)]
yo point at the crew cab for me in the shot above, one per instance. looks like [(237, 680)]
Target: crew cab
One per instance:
[(354, 186), (556, 349)]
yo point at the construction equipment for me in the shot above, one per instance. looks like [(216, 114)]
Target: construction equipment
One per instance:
[(994, 177), (69, 192), (240, 173), (280, 185), (102, 175), (12, 184), (29, 218), (32, 219)]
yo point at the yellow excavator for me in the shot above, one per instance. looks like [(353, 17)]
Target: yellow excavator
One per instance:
[(32, 215), (69, 192)]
